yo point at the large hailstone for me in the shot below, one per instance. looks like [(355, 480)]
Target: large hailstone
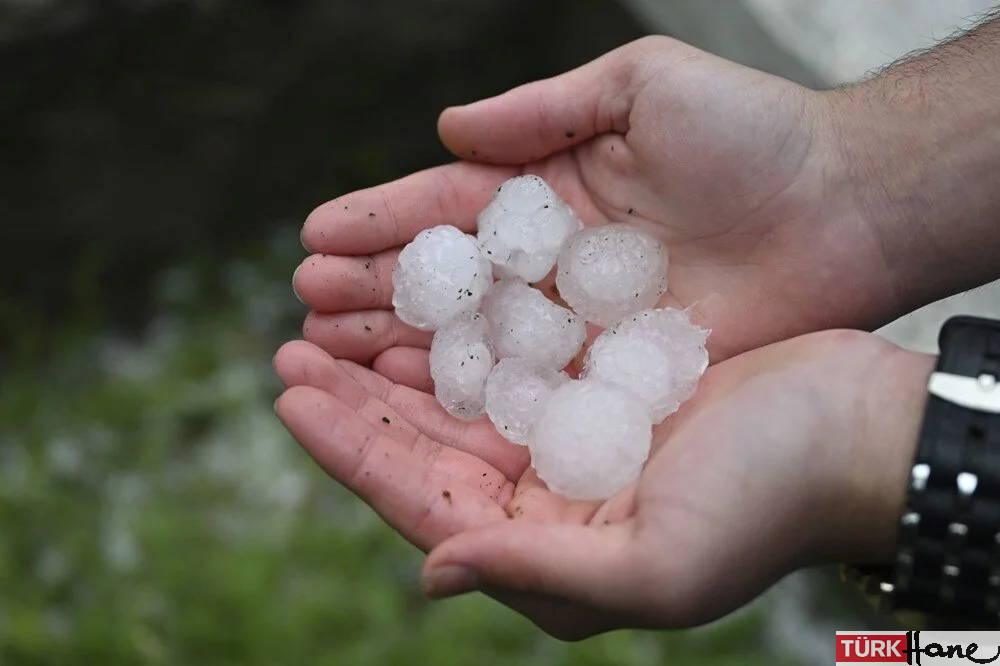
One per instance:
[(524, 227), (525, 324), (516, 394), (608, 272), (440, 275), (592, 440), (659, 355), (461, 360)]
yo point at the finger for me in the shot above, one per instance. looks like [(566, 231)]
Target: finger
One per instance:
[(390, 215), (585, 565), (300, 363), (619, 508), (478, 437), (332, 283), (535, 120), (361, 336), (388, 487), (423, 504), (533, 501), (408, 366)]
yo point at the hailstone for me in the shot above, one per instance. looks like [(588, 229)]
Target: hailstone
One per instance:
[(608, 272), (516, 394), (591, 441), (461, 360), (590, 437), (657, 354), (440, 275), (524, 227), (523, 323)]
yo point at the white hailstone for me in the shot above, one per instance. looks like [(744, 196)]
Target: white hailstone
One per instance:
[(608, 272), (592, 440), (461, 360), (516, 394), (440, 275), (525, 324), (659, 355), (524, 227)]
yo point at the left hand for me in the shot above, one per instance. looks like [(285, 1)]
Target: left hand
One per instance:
[(791, 455), (741, 174)]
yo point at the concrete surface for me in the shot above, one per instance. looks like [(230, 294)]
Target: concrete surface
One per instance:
[(727, 28), (842, 40)]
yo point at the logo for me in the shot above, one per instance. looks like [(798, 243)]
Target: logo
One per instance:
[(918, 647)]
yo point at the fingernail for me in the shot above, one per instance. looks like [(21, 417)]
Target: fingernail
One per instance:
[(294, 290), (302, 240), (449, 580)]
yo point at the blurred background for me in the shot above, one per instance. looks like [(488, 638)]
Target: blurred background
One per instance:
[(157, 158)]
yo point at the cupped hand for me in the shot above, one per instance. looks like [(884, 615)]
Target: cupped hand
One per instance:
[(790, 455), (738, 172)]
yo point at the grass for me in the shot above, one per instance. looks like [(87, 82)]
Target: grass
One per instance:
[(153, 510)]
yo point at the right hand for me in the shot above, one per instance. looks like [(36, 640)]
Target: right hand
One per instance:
[(792, 455), (737, 171)]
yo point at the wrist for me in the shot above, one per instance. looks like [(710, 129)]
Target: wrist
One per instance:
[(945, 544), (918, 158), (872, 492)]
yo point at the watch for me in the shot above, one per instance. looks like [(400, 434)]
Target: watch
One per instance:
[(948, 555)]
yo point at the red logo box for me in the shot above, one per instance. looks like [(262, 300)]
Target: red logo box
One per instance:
[(872, 648)]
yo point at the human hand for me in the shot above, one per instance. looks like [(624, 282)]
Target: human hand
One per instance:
[(791, 455), (735, 170)]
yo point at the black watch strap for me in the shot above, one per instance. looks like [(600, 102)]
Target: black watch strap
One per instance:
[(948, 560)]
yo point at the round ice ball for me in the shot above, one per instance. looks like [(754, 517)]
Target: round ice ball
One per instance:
[(439, 275), (524, 227), (525, 194), (516, 394), (523, 323), (657, 354), (461, 361), (608, 272), (591, 441)]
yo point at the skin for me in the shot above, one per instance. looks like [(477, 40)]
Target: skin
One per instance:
[(747, 483), (731, 168), (786, 211)]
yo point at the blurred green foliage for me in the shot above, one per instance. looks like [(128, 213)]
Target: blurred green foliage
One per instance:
[(153, 510)]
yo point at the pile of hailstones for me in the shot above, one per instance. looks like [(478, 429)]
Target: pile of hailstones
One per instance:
[(502, 347)]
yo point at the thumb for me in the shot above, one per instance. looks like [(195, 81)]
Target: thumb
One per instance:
[(596, 566), (535, 120)]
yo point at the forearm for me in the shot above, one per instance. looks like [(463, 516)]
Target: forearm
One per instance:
[(921, 153)]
